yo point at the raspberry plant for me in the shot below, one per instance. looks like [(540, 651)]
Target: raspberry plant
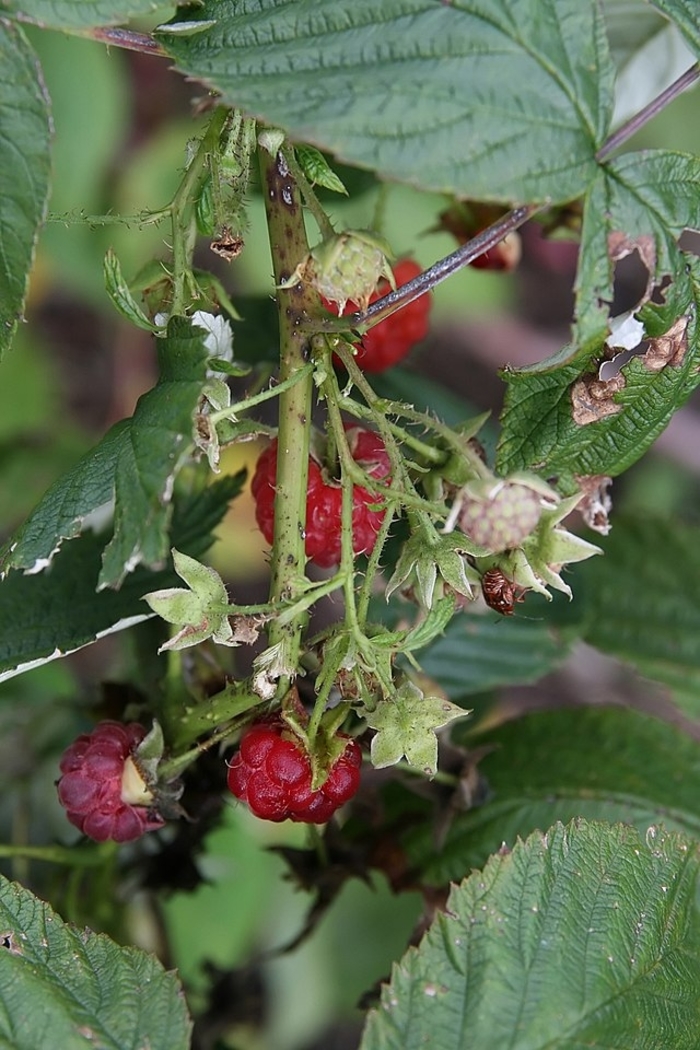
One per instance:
[(422, 557)]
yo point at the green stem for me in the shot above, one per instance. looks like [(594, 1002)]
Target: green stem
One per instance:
[(265, 395), (143, 219), (389, 304), (289, 245), (73, 856), (637, 122), (182, 210)]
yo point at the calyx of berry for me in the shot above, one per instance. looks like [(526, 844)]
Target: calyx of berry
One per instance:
[(428, 558), (200, 610)]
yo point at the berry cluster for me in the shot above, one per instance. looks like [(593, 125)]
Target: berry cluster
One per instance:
[(272, 773), (388, 342), (324, 499), (101, 788)]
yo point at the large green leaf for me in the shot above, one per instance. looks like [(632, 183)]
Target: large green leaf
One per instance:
[(74, 989), (478, 653), (25, 129), (586, 936), (642, 202), (485, 98), (135, 463), (641, 601), (76, 14), (46, 615), (609, 764)]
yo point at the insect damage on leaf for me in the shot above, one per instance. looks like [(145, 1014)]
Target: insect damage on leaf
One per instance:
[(668, 349), (592, 398)]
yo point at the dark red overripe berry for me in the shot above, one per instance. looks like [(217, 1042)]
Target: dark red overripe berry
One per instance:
[(101, 788), (388, 342), (324, 499), (272, 774)]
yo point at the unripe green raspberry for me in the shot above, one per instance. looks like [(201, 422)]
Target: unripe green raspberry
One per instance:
[(503, 521), (348, 267)]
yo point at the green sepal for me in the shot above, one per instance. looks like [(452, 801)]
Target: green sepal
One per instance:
[(406, 726), (122, 299)]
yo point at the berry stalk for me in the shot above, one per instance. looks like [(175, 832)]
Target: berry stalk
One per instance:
[(289, 245)]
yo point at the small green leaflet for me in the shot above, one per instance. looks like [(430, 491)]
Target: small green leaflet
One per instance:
[(585, 936), (120, 294), (25, 130), (317, 169), (414, 89), (74, 989)]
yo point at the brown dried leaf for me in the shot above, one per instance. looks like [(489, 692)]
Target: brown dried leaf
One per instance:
[(592, 398), (596, 503), (668, 349)]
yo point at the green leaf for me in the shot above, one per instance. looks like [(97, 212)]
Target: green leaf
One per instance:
[(46, 615), (478, 653), (641, 601), (508, 103), (684, 14), (25, 130), (60, 513), (317, 169), (642, 202), (586, 936), (135, 463), (160, 440), (64, 14), (645, 200), (611, 764), (74, 989)]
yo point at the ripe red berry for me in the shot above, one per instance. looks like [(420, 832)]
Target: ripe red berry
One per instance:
[(101, 788), (388, 342), (324, 499), (272, 774)]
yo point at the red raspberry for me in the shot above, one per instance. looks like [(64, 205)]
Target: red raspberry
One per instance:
[(272, 774), (388, 342), (324, 499), (101, 788)]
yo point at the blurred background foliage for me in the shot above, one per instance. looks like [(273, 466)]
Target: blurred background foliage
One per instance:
[(122, 121)]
